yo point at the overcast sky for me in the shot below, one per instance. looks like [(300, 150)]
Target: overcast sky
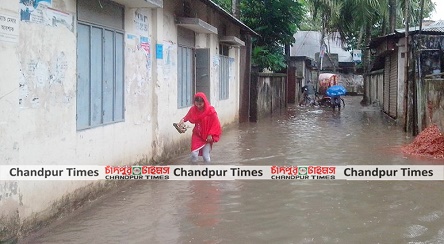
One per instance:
[(439, 13)]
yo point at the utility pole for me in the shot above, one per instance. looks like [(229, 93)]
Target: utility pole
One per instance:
[(406, 67)]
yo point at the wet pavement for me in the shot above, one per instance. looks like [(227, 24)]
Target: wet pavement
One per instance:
[(268, 211)]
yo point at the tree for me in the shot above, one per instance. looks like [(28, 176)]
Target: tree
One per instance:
[(276, 21), (358, 21), (225, 4)]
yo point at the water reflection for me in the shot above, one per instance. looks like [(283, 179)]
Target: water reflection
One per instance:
[(204, 205)]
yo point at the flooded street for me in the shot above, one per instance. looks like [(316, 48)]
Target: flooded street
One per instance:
[(292, 211)]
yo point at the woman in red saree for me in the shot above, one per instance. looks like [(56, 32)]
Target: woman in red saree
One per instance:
[(206, 130)]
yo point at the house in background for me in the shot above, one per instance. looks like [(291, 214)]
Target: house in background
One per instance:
[(305, 63), (300, 70), (101, 82), (413, 102)]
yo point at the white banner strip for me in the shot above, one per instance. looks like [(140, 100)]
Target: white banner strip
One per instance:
[(51, 172), (221, 172)]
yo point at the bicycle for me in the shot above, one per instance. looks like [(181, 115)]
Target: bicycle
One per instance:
[(308, 100)]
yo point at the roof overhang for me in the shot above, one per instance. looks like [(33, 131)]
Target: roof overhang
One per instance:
[(347, 64), (141, 3), (197, 25), (401, 33), (232, 41), (300, 58), (230, 17)]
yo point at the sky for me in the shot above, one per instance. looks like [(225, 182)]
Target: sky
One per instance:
[(439, 12)]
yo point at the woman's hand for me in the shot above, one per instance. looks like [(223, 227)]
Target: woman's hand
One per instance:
[(209, 138), (180, 123)]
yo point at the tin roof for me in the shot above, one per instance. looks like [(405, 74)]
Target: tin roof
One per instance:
[(436, 28), (307, 43)]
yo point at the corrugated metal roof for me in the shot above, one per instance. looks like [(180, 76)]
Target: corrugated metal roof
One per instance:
[(307, 44), (439, 22), (436, 28)]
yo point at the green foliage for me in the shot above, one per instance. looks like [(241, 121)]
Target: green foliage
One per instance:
[(276, 21), (349, 17), (225, 4), (268, 58)]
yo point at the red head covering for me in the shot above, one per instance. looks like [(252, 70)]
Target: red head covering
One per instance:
[(206, 123), (194, 115)]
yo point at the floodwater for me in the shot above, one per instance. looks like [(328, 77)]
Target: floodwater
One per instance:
[(287, 211)]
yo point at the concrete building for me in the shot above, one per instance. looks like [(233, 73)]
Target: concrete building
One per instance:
[(413, 101), (305, 63), (101, 82)]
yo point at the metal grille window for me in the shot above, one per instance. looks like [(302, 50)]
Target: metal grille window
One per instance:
[(100, 78), (224, 73), (185, 67)]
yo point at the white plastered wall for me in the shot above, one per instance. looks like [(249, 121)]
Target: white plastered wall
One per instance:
[(9, 118), (40, 126), (38, 100)]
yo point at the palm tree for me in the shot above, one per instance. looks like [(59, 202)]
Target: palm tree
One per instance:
[(357, 21)]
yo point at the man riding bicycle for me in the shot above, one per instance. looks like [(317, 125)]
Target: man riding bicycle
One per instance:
[(308, 94)]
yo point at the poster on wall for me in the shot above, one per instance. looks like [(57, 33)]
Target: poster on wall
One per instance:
[(145, 44), (8, 28), (131, 42), (56, 18), (159, 51), (169, 56), (41, 12), (31, 9)]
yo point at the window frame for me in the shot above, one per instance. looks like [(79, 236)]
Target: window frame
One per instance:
[(117, 73), (185, 93), (224, 72)]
